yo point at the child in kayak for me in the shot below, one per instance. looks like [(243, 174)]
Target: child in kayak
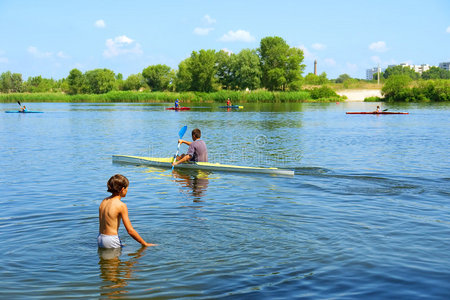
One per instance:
[(378, 109), (197, 151), (111, 211), (229, 102)]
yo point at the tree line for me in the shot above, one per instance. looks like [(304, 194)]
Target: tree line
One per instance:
[(432, 73), (274, 66)]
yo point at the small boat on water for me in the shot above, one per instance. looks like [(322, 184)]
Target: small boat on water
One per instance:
[(376, 113), (23, 112), (232, 106), (178, 108), (166, 162)]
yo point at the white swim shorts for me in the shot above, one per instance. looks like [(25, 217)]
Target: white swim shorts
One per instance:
[(108, 241)]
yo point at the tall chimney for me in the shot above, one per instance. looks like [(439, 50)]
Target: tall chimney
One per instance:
[(315, 67)]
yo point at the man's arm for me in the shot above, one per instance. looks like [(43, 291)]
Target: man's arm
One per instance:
[(185, 158), (131, 231), (184, 142)]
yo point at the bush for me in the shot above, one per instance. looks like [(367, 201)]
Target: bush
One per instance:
[(323, 92), (373, 99)]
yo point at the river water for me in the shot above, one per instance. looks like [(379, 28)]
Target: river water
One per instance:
[(367, 214)]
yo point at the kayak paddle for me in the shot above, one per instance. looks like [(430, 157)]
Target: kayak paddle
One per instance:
[(180, 134), (386, 109)]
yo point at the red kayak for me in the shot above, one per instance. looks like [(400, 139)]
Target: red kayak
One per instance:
[(377, 113), (178, 108)]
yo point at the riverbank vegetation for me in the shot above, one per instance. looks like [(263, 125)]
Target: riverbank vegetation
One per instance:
[(271, 73), (259, 96)]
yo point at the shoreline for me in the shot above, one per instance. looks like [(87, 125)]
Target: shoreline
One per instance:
[(358, 95)]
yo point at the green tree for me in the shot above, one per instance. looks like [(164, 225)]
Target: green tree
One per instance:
[(224, 73), (183, 79), (100, 81), (294, 68), (342, 78), (202, 69), (280, 64), (76, 82), (158, 77), (247, 70), (6, 84), (397, 88), (119, 82), (436, 73), (134, 82), (316, 79), (400, 70), (37, 84)]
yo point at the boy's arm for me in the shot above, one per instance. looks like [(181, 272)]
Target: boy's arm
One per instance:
[(131, 231)]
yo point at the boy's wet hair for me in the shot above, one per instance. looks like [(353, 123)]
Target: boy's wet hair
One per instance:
[(196, 133), (116, 183)]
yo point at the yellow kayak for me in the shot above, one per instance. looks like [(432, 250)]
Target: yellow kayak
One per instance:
[(166, 162)]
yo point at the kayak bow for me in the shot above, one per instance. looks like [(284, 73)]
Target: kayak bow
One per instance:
[(167, 163), (231, 106), (179, 108), (376, 113), (23, 112)]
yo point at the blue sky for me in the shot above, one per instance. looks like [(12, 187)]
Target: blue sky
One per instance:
[(50, 38)]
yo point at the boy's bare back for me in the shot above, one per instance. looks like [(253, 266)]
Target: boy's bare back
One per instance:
[(111, 211), (109, 214)]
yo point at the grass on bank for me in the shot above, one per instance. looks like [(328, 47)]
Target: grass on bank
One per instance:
[(259, 96)]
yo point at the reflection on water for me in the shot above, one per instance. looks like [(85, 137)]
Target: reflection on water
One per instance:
[(193, 182), (116, 273)]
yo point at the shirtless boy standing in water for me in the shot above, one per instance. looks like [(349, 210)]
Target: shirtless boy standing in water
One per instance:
[(111, 211)]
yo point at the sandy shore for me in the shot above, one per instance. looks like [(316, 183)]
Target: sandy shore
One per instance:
[(358, 95)]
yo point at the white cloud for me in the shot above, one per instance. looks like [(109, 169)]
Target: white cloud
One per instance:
[(306, 53), (318, 46), (209, 20), (202, 31), (237, 36), (379, 46), (352, 68), (329, 62), (448, 29), (121, 45), (61, 54), (38, 54), (100, 24), (378, 61)]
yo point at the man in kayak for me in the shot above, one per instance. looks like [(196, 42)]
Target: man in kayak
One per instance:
[(177, 104), (378, 109), (111, 211), (228, 102), (23, 109), (197, 151)]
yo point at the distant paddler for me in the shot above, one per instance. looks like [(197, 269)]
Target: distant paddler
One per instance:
[(197, 151), (229, 102), (177, 104), (22, 108)]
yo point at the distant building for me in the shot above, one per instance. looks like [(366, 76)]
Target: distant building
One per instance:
[(373, 71), (420, 69), (445, 66), (417, 68)]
